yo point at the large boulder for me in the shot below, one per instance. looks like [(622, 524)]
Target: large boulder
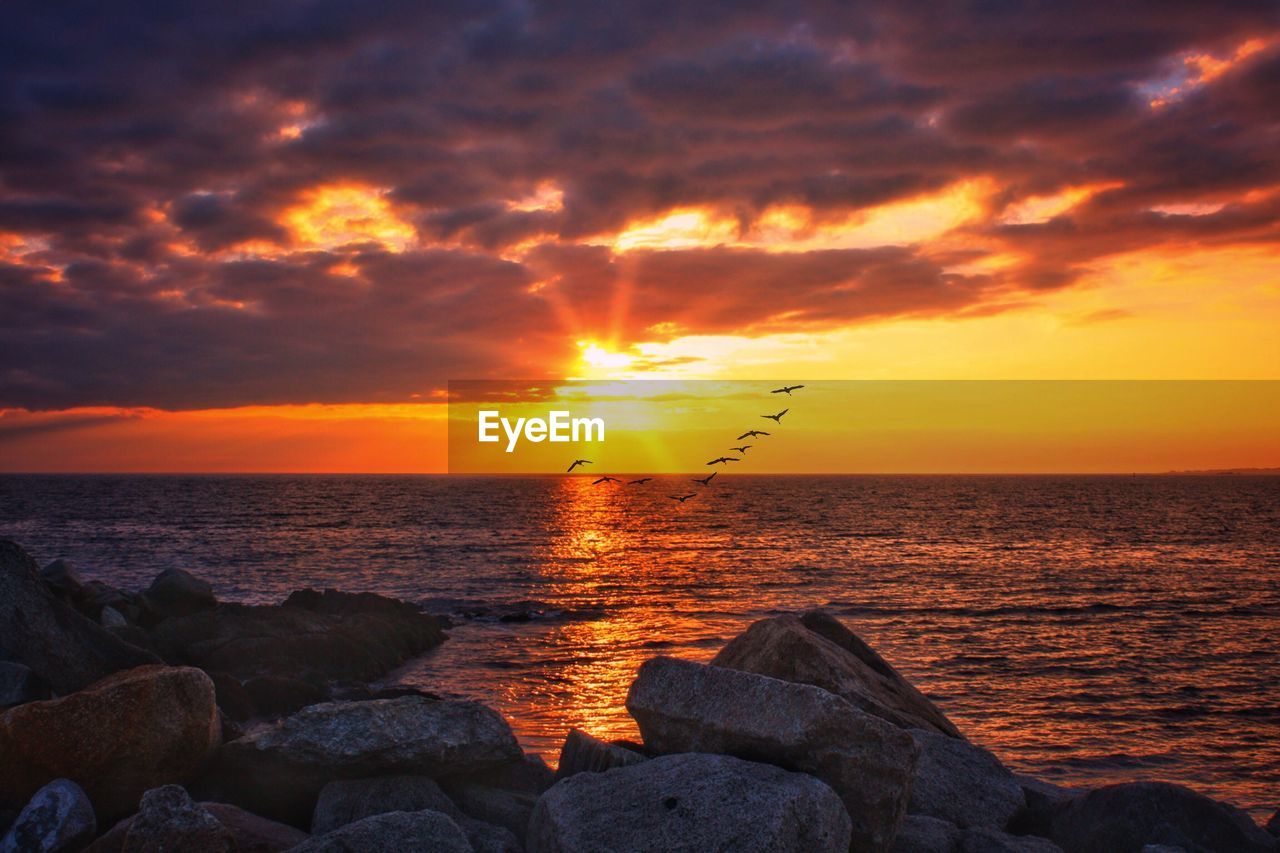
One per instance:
[(252, 833), (349, 800), (690, 803), (59, 817), (1123, 818), (924, 834), (278, 769), (502, 807), (421, 832), (65, 649), (312, 636), (177, 592), (816, 648), (683, 706), (167, 819), (19, 684), (582, 753), (962, 783), (128, 733)]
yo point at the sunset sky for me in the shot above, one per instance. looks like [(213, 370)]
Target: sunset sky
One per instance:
[(264, 236)]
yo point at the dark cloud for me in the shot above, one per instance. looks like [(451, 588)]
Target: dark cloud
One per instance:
[(144, 149)]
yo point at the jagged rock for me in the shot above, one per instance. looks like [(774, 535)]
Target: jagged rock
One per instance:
[(167, 819), (59, 817), (273, 696), (313, 637), (254, 834), (128, 733), (583, 753), (693, 802), (1123, 818), (177, 592), (278, 770), (422, 832), (18, 684), (816, 648), (62, 647), (962, 783), (347, 801), (487, 838), (688, 707)]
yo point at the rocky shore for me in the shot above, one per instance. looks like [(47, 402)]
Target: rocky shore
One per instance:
[(165, 720)]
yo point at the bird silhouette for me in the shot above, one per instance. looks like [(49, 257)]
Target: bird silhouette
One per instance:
[(706, 481), (786, 389), (752, 433), (723, 459), (578, 462), (606, 479), (681, 498), (742, 449), (639, 482), (778, 417)]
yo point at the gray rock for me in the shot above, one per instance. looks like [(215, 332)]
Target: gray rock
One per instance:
[(923, 834), (62, 647), (112, 618), (958, 782), (19, 684), (167, 819), (487, 838), (1124, 818), (984, 839), (421, 832), (583, 753), (62, 578), (499, 806), (58, 817), (692, 802), (816, 648), (688, 707), (177, 592), (1043, 799), (254, 834), (347, 801)]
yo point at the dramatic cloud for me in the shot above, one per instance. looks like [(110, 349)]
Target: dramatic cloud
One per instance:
[(207, 205)]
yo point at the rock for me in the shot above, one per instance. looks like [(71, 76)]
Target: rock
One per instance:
[(254, 834), (273, 696), (128, 733), (583, 753), (18, 684), (923, 834), (59, 817), (422, 832), (691, 802), (962, 783), (177, 592), (63, 579), (984, 839), (347, 801), (278, 770), (816, 648), (315, 637), (1122, 818), (1273, 825), (233, 699), (167, 819), (688, 707), (62, 647), (1043, 799), (112, 618), (498, 806), (487, 838), (94, 596)]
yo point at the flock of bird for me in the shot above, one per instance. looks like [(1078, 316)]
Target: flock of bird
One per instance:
[(741, 450)]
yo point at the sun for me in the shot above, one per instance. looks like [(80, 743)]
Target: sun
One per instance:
[(595, 356)]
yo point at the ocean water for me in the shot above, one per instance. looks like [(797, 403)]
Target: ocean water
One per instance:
[(1086, 629)]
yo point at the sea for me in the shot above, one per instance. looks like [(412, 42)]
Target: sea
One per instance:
[(1086, 629)]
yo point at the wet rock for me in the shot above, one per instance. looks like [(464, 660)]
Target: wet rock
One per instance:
[(487, 838), (273, 696), (316, 637), (58, 817), (58, 644), (688, 707), (233, 699), (583, 753), (423, 831), (128, 733), (167, 819), (1123, 818), (18, 684), (816, 648), (278, 770), (347, 801), (693, 802), (177, 592), (254, 834), (962, 783)]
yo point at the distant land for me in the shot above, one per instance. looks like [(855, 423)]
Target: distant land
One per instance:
[(1248, 472)]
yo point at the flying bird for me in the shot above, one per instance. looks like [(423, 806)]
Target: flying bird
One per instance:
[(639, 482), (778, 417), (606, 479), (723, 459), (578, 462), (681, 498), (742, 449), (706, 481), (752, 433), (786, 389)]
